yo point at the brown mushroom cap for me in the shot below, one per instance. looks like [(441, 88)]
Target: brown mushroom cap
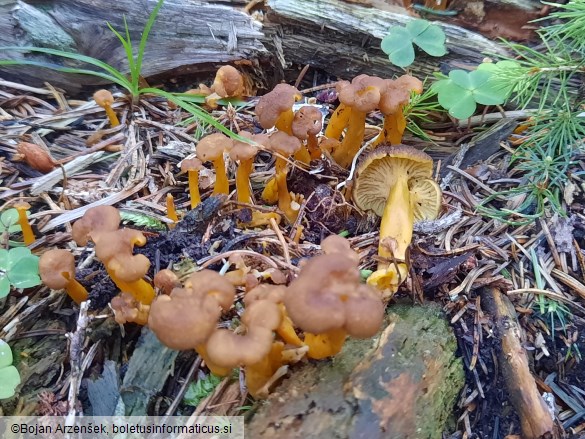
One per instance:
[(227, 349), (379, 170), (228, 82), (363, 93), (426, 199), (115, 250), (308, 120), (328, 295), (95, 220), (284, 144), (273, 104), (211, 147), (192, 164), (57, 268), (272, 293), (186, 318), (338, 244), (244, 150), (165, 280), (103, 98), (397, 93)]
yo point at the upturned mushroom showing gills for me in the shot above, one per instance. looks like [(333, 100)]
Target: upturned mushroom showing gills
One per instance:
[(395, 183), (210, 149), (328, 302), (57, 271)]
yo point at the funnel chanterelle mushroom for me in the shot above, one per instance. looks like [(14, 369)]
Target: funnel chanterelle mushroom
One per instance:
[(395, 183)]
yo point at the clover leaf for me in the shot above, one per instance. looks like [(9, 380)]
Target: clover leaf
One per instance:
[(462, 91), (400, 41), (9, 376), (19, 268), (9, 221)]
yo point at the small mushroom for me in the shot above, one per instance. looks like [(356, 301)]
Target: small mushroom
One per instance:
[(127, 270), (165, 281), (286, 146), (210, 149), (327, 301), (394, 98), (306, 124), (192, 166), (274, 109), (338, 244), (28, 235), (95, 221), (395, 183), (171, 211), (105, 100), (128, 310), (340, 117), (57, 271)]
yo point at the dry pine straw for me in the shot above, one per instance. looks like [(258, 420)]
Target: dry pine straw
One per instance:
[(139, 176)]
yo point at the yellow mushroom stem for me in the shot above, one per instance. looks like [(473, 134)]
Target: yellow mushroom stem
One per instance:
[(313, 147), (284, 198), (27, 231), (284, 122), (171, 211), (353, 139), (193, 176), (141, 290), (243, 180), (260, 373), (395, 236), (325, 345), (222, 185), (112, 117), (270, 192), (338, 121), (393, 129), (286, 329), (74, 289), (303, 155), (215, 369)]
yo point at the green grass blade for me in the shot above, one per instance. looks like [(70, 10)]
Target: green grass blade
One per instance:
[(112, 71), (144, 38)]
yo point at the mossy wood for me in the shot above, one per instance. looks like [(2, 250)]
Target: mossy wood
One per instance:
[(401, 384), (194, 37)]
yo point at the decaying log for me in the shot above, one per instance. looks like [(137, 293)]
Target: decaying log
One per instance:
[(191, 37), (535, 418), (344, 39), (186, 34), (402, 384)]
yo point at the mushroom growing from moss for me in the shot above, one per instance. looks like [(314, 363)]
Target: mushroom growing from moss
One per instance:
[(105, 99), (395, 183), (328, 302), (210, 149), (57, 271), (192, 166)]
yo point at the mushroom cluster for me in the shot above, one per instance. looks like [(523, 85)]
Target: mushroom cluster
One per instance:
[(326, 301), (114, 248)]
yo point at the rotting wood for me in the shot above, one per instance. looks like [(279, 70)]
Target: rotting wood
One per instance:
[(344, 39), (401, 385), (341, 38), (535, 418)]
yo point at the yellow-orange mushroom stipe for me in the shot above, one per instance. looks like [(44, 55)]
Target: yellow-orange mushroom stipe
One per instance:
[(28, 235), (57, 271), (105, 99), (192, 166)]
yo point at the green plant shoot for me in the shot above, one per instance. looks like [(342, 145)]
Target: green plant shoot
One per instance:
[(400, 41)]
